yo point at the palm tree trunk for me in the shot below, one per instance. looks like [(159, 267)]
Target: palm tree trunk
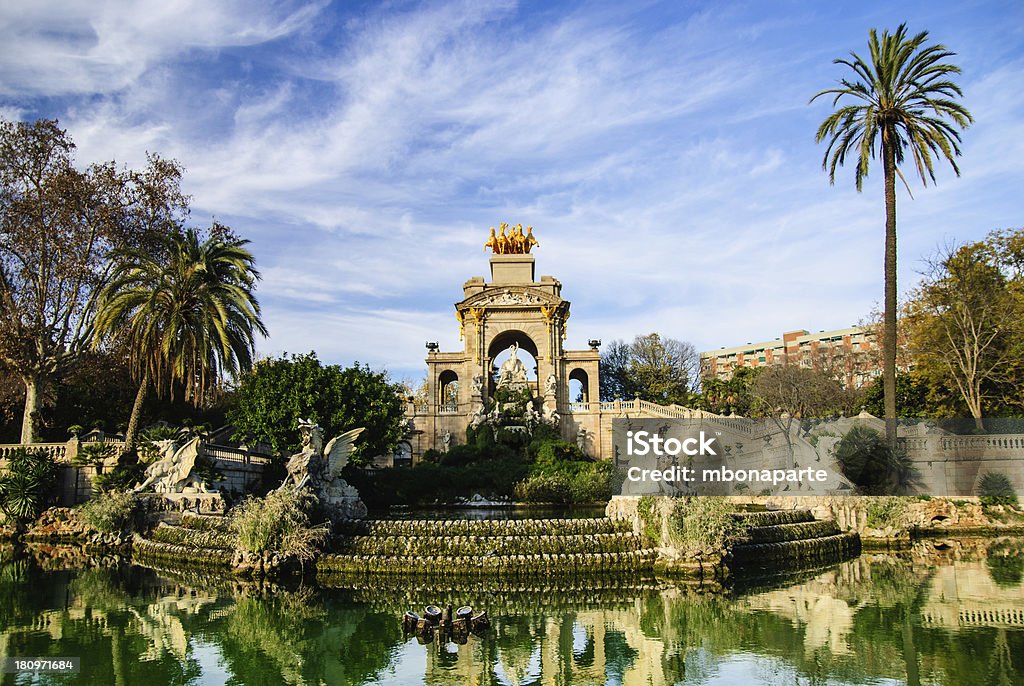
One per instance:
[(889, 318), (133, 421), (31, 408)]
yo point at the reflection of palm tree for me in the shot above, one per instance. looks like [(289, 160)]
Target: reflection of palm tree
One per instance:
[(1000, 666)]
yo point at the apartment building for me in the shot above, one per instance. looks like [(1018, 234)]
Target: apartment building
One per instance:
[(850, 354)]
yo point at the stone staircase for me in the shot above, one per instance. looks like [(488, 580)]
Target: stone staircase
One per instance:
[(782, 539), (198, 541), (435, 548), (515, 547)]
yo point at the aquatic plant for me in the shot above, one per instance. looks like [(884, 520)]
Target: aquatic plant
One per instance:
[(115, 512), (279, 522), (705, 524)]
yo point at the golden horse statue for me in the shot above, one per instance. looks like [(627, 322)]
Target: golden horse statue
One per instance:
[(513, 242)]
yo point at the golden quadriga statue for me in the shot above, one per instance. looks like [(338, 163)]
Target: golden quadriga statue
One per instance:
[(511, 240)]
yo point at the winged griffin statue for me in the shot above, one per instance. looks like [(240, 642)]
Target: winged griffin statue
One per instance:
[(318, 468), (172, 473)]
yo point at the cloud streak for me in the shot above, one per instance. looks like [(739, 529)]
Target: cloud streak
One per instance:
[(666, 156)]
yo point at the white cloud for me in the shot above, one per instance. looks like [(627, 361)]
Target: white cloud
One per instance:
[(100, 46), (670, 169)]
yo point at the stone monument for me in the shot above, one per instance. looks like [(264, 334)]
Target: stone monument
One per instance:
[(318, 469), (172, 476), (517, 312)]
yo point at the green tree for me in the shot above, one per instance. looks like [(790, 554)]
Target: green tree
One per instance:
[(652, 368), (272, 398), (187, 320), (912, 392), (904, 105), (964, 325), (732, 395), (59, 228)]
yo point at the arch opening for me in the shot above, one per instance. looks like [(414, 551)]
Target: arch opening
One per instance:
[(448, 391), (499, 351), (579, 386)]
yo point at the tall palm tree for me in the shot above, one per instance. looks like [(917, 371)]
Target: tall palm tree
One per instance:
[(188, 316), (904, 102)]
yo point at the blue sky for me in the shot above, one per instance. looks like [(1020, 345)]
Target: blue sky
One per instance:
[(664, 152)]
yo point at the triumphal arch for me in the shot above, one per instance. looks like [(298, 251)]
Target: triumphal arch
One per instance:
[(514, 313)]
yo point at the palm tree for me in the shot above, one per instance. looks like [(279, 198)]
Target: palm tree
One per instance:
[(188, 316), (904, 103)]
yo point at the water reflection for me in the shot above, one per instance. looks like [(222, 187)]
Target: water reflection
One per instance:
[(945, 613)]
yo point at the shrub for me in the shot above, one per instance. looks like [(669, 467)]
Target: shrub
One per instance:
[(871, 464), (995, 488), (593, 483), (280, 522), (544, 489), (115, 513), (886, 512), (28, 486), (651, 532), (705, 524), (122, 477), (92, 454)]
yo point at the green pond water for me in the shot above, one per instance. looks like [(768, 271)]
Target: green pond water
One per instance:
[(943, 613)]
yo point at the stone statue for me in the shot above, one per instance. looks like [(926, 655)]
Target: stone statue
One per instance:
[(532, 417), (478, 384), (319, 469), (172, 473), (581, 440), (551, 385), (446, 440), (551, 415), (512, 370)]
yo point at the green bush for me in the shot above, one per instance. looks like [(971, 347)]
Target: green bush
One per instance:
[(705, 524), (28, 486), (871, 464), (886, 512), (279, 522), (115, 512), (92, 454), (651, 532), (544, 489), (995, 488), (503, 469), (122, 477)]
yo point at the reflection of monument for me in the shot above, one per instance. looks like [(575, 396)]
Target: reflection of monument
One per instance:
[(513, 312)]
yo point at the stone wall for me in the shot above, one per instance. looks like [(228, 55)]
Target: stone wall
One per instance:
[(851, 512), (241, 468)]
